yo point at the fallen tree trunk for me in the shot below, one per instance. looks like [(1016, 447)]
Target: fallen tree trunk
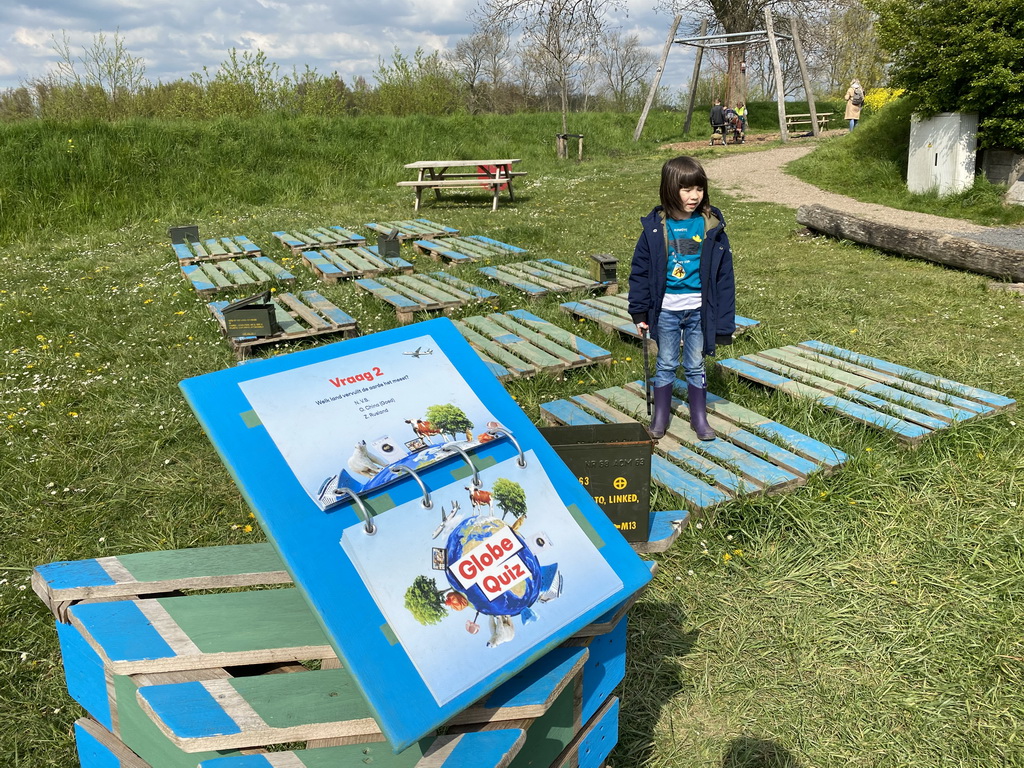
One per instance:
[(986, 259)]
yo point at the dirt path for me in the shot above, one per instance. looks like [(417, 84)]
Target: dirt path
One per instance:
[(759, 176)]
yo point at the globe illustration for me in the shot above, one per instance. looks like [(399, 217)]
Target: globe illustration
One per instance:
[(466, 537)]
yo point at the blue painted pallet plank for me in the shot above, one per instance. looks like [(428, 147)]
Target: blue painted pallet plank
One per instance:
[(475, 290), (973, 393), (513, 365), (746, 323), (274, 269), (605, 319), (247, 245), (182, 251), (932, 405), (215, 248), (578, 343), (435, 248), (554, 278), (561, 266), (320, 263), (122, 631), (801, 444), (502, 277), (605, 668), (901, 387), (484, 749), (542, 337), (741, 461), (904, 429), (387, 294), (199, 279), (188, 710), (498, 243), (596, 741), (723, 477), (347, 233), (538, 684), (327, 309), (864, 396)]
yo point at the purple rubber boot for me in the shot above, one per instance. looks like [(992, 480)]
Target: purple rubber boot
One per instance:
[(697, 401), (662, 411)]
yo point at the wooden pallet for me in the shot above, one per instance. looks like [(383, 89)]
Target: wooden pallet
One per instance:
[(235, 274), (519, 344), (612, 314), (151, 674), (544, 276), (433, 292), (462, 250), (300, 317), (214, 249), (299, 240), (334, 264), (908, 403), (750, 455), (413, 229)]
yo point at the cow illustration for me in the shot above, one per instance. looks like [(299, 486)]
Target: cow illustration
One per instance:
[(480, 498), (423, 429)]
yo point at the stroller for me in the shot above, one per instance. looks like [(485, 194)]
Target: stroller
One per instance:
[(733, 125)]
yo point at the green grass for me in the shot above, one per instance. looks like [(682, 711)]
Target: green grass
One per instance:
[(871, 618), (870, 164)]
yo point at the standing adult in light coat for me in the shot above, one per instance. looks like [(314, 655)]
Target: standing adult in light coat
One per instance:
[(854, 101)]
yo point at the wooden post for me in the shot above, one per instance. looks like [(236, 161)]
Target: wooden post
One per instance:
[(773, 49), (803, 74), (657, 79), (693, 80)]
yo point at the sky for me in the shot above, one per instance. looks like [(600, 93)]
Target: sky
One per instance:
[(175, 39)]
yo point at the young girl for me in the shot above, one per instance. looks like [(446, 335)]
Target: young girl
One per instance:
[(681, 288)]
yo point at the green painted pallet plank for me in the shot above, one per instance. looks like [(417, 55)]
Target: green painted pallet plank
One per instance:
[(327, 309), (566, 338), (963, 390), (514, 280), (514, 365), (585, 309), (235, 274), (473, 290), (274, 269), (387, 293), (904, 430), (430, 292), (443, 288), (570, 357), (254, 271), (521, 347)]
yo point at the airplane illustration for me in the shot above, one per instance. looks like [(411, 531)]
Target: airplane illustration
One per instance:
[(420, 351)]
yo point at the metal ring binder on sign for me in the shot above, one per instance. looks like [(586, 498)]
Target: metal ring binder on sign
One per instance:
[(368, 525), (502, 431), (454, 447), (427, 503)]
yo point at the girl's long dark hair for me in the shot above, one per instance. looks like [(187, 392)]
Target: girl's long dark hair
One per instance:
[(679, 172)]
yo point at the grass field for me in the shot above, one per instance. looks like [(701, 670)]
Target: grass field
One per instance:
[(871, 618)]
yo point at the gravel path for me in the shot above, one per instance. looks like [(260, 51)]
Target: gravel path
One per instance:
[(758, 176)]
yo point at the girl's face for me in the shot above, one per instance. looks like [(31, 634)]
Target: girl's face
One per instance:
[(691, 198)]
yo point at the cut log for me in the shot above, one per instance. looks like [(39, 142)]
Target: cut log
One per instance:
[(952, 251)]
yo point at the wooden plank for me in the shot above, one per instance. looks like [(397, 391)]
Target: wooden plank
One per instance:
[(904, 430), (567, 339), (327, 309), (539, 358), (474, 290), (570, 357), (276, 271), (514, 366), (311, 318), (299, 240), (485, 749), (594, 743), (514, 280), (411, 229), (991, 399)]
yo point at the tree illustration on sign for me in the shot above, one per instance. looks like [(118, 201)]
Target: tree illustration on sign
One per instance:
[(425, 601), (450, 419), (510, 497)]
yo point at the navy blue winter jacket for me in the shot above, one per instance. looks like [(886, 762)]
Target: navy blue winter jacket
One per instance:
[(649, 271)]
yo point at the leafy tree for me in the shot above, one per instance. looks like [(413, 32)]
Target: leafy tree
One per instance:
[(510, 497), (450, 419), (960, 56), (425, 601)]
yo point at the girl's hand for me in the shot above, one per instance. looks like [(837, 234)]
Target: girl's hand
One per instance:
[(641, 327)]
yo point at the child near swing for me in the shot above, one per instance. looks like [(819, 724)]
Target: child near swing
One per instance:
[(682, 289)]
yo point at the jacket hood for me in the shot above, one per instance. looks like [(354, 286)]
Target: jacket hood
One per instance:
[(657, 215)]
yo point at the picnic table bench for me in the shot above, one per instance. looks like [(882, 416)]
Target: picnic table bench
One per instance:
[(437, 291), (495, 175), (334, 264), (231, 274), (544, 276), (465, 249), (299, 240), (299, 317), (804, 121), (213, 678)]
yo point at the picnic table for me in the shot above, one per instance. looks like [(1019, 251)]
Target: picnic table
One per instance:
[(446, 174)]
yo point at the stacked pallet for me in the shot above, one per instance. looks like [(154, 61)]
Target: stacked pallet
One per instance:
[(224, 675)]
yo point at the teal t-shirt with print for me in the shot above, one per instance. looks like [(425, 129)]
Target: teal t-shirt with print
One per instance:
[(685, 239)]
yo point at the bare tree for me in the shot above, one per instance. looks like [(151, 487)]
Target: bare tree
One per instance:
[(564, 31), (626, 66)]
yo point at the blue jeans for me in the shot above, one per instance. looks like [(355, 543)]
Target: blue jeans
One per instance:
[(853, 124), (674, 328)]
